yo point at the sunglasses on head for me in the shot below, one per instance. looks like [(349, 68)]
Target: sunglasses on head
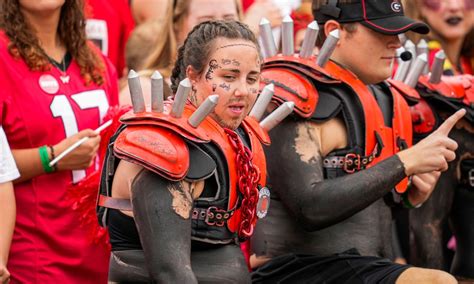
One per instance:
[(436, 5)]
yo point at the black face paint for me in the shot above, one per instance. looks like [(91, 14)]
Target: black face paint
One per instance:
[(226, 61), (225, 86), (238, 44), (253, 90), (212, 66), (235, 62)]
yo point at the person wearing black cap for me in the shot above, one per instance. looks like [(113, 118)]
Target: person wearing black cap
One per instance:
[(345, 157)]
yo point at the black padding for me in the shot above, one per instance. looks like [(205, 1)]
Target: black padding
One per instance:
[(383, 96), (201, 164), (328, 107)]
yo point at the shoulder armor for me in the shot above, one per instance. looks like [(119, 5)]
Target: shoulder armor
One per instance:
[(164, 120), (292, 77), (452, 87), (411, 95), (158, 149), (253, 127)]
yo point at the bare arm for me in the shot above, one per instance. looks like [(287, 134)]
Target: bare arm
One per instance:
[(7, 224), (29, 163)]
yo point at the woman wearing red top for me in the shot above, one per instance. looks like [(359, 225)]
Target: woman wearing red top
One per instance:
[(56, 88), (452, 29)]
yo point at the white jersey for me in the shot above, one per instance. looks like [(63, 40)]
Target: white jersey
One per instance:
[(8, 169)]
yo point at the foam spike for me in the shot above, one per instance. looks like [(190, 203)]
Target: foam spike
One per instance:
[(156, 92), (268, 42), (262, 102), (328, 48), (203, 110), (277, 116), (416, 70), (403, 38), (309, 40), (422, 48), (402, 71), (437, 67), (288, 41), (136, 94), (411, 47), (180, 98)]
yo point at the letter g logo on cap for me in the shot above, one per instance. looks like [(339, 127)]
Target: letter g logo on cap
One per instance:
[(396, 7)]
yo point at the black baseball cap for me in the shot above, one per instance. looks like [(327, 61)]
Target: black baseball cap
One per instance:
[(383, 16)]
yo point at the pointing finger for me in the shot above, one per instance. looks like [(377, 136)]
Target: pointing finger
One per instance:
[(449, 123)]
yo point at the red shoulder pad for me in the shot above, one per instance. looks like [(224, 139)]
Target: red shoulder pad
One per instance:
[(450, 86), (292, 77), (469, 98), (423, 118), (164, 120), (158, 149), (253, 126), (409, 94), (293, 87)]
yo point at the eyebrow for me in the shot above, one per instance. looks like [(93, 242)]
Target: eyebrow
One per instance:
[(233, 70)]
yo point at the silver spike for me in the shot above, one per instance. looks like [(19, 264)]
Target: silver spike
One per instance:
[(288, 42), (398, 53), (262, 102), (416, 70), (136, 94), (437, 67), (309, 41), (422, 48), (403, 38), (203, 110), (268, 42), (402, 70), (180, 98), (411, 47), (156, 92), (277, 116), (328, 48)]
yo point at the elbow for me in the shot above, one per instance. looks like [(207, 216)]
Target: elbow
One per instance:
[(312, 220)]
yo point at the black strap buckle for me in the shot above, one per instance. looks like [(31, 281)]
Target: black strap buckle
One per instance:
[(216, 216)]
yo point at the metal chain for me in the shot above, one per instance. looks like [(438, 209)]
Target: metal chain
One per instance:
[(248, 175)]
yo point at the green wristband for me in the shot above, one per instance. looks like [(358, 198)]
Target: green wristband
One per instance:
[(44, 156), (407, 203)]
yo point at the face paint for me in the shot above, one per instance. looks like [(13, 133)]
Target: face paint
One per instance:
[(226, 61), (225, 86), (235, 62), (212, 67)]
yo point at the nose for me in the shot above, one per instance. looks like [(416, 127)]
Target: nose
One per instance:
[(242, 90), (394, 42), (454, 5)]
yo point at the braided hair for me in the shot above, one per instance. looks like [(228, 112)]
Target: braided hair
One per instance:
[(196, 49)]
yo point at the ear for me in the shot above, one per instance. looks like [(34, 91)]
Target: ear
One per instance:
[(331, 25), (192, 74)]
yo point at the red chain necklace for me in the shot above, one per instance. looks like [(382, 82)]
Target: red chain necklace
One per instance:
[(248, 175)]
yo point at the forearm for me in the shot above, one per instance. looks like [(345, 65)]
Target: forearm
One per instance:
[(322, 203), (28, 163), (7, 220), (162, 212)]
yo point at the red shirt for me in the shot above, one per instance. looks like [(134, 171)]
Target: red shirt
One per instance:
[(37, 108), (109, 24)]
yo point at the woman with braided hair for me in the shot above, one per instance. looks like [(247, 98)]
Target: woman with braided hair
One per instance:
[(177, 222)]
